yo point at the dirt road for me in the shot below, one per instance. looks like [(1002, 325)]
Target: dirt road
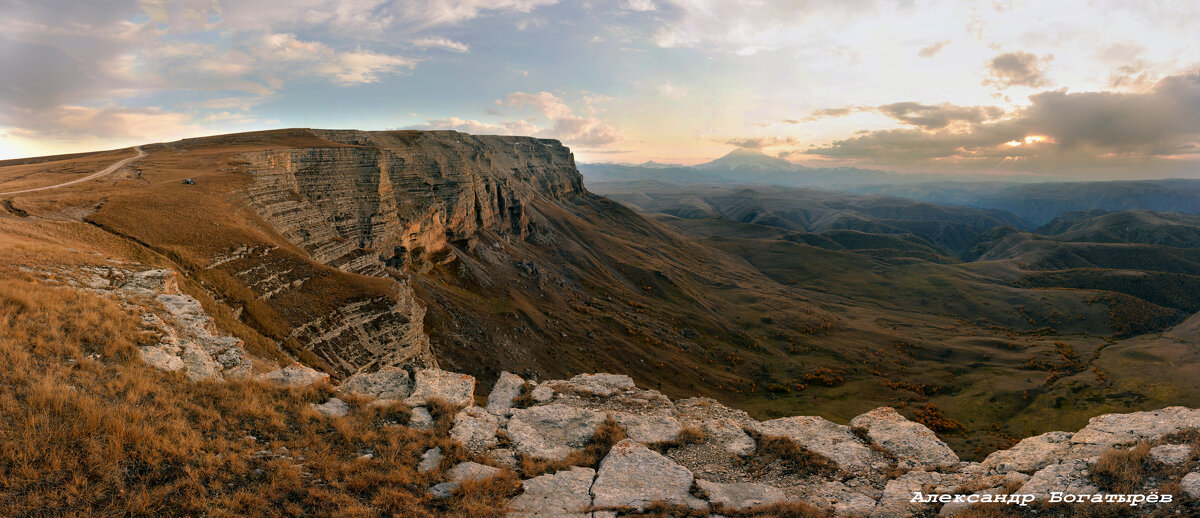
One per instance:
[(108, 170)]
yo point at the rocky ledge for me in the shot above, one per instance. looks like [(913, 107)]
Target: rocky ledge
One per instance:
[(699, 454)]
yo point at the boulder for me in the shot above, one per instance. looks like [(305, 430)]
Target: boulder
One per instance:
[(632, 475), (905, 439), (1171, 454), (160, 357), (542, 394), (552, 432), (1031, 454), (843, 500), (451, 387), (294, 375), (463, 472), (197, 364), (742, 494), (332, 408), (648, 429), (1191, 484), (507, 388), (599, 384), (730, 435), (430, 460), (896, 501), (563, 494), (420, 419), (827, 438), (1069, 477), (475, 428), (385, 383), (1112, 429)]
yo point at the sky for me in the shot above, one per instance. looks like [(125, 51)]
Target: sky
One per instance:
[(1070, 88)]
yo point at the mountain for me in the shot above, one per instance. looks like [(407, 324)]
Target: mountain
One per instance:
[(748, 159), (1039, 203), (740, 166)]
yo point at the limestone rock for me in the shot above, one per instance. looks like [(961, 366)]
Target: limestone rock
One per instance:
[(542, 394), (507, 387), (648, 429), (451, 387), (905, 439), (741, 495), (385, 383), (1068, 477), (827, 438), (430, 460), (897, 495), (294, 375), (551, 432), (420, 419), (954, 508), (600, 384), (333, 408), (475, 429), (631, 475), (1171, 454), (506, 457), (159, 357), (731, 435), (562, 494), (843, 500), (1191, 484), (1112, 429), (463, 472), (1031, 454)]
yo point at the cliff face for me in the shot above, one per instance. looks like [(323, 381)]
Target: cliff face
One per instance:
[(377, 199)]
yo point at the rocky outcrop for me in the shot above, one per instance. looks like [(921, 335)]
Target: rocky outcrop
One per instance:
[(882, 460)]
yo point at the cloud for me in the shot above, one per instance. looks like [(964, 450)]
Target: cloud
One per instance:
[(747, 28), (110, 122), (761, 142), (932, 50), (939, 116), (1017, 69), (637, 5), (587, 132), (475, 127), (442, 43), (1058, 130)]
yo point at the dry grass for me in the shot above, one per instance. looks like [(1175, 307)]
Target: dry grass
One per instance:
[(88, 430), (782, 452), (687, 435)]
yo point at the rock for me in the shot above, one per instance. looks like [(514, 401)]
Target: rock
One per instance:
[(197, 364), (631, 475), (599, 384), (430, 460), (741, 495), (648, 429), (1171, 454), (731, 435), (451, 387), (827, 438), (506, 457), (562, 494), (896, 501), (1112, 429), (463, 472), (1191, 484), (294, 375), (475, 429), (507, 388), (551, 432), (152, 282), (954, 508), (905, 439), (332, 408), (1068, 477), (420, 419), (542, 394), (843, 500), (159, 357), (385, 383), (1031, 454)]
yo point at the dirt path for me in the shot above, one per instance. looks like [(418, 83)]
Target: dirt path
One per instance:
[(108, 170)]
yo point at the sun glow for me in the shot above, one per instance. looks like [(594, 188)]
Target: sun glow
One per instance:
[(1032, 139)]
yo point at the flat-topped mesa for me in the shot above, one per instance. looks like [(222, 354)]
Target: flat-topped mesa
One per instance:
[(376, 199)]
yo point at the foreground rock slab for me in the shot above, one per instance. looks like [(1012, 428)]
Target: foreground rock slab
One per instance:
[(294, 375), (634, 476), (563, 494), (553, 431), (386, 383), (905, 439), (453, 388)]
